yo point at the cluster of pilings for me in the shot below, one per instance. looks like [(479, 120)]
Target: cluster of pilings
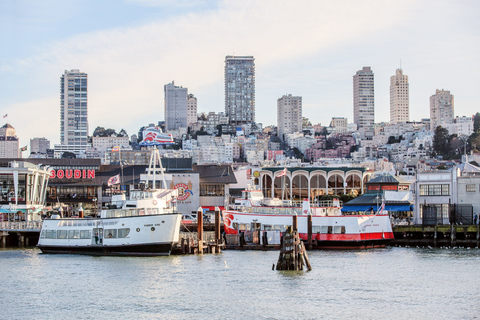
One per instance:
[(437, 236), (293, 255)]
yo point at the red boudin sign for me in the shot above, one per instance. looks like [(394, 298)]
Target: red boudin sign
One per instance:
[(72, 174)]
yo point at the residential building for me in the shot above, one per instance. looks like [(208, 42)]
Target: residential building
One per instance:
[(340, 124), (441, 109), (73, 108), (364, 98), (191, 109), (39, 145), (289, 115), (399, 98), (240, 89), (175, 107)]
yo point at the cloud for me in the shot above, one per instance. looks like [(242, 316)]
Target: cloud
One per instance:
[(128, 67)]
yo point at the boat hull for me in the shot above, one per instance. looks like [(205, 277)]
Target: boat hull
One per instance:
[(154, 249)]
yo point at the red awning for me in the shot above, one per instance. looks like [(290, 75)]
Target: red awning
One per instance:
[(212, 208)]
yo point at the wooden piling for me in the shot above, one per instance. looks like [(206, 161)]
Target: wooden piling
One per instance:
[(309, 230), (200, 229), (293, 255), (218, 239), (294, 224)]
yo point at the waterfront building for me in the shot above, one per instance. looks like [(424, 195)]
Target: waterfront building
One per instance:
[(175, 107), (9, 144), (39, 146), (289, 115), (441, 109), (364, 99), (102, 145), (73, 108), (399, 98), (240, 89)]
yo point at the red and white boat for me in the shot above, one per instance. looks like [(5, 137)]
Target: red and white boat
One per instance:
[(331, 229)]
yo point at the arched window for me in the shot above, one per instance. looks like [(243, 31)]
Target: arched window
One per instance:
[(267, 186), (282, 187), (299, 188), (354, 185), (318, 187), (335, 184)]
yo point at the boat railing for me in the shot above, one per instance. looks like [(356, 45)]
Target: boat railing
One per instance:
[(21, 225)]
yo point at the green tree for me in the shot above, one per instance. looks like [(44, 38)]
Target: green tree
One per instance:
[(441, 141), (476, 122), (306, 123)]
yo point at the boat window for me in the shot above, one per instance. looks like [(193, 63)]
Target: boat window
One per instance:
[(61, 234), (73, 234), (90, 223), (42, 234), (267, 227), (326, 229), (281, 228), (85, 234), (339, 229), (141, 212), (50, 234), (316, 229), (110, 233), (123, 233), (235, 226)]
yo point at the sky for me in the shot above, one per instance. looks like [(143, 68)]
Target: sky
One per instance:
[(131, 48)]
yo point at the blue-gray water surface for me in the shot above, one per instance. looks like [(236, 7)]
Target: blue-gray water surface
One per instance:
[(390, 283)]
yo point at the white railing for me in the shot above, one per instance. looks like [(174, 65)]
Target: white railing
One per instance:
[(22, 225)]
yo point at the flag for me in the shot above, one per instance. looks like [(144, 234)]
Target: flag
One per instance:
[(114, 180), (282, 173), (116, 149), (24, 148), (5, 116), (382, 207)]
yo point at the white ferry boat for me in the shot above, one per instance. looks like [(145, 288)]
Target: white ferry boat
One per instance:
[(330, 228), (146, 224)]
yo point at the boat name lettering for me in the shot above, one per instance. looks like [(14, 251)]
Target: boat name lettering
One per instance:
[(70, 173), (148, 225)]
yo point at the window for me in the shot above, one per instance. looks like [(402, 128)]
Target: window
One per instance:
[(50, 234), (110, 233), (73, 234), (434, 190), (123, 233), (470, 188), (212, 190), (62, 234), (85, 234), (339, 229)]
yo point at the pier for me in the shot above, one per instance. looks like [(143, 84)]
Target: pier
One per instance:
[(437, 236), (24, 233)]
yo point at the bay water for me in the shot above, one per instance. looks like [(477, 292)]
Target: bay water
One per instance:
[(389, 283)]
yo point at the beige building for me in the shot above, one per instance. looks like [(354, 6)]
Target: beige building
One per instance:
[(9, 145), (39, 145), (441, 109), (191, 109), (289, 115), (399, 98), (364, 98), (340, 124)]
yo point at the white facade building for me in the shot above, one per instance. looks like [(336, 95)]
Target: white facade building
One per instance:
[(441, 109), (364, 98), (289, 115), (39, 145), (399, 98), (9, 144), (175, 107)]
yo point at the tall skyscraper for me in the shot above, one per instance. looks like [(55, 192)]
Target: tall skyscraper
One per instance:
[(399, 98), (289, 115), (191, 109), (73, 108), (364, 98), (175, 107), (441, 109), (240, 89)]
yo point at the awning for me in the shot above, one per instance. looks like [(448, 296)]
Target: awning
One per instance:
[(356, 208), (212, 208), (398, 207)]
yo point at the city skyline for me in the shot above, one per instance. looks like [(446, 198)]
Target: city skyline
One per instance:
[(306, 49)]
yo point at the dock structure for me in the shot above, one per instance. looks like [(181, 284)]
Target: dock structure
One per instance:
[(293, 255), (24, 233), (437, 236)]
